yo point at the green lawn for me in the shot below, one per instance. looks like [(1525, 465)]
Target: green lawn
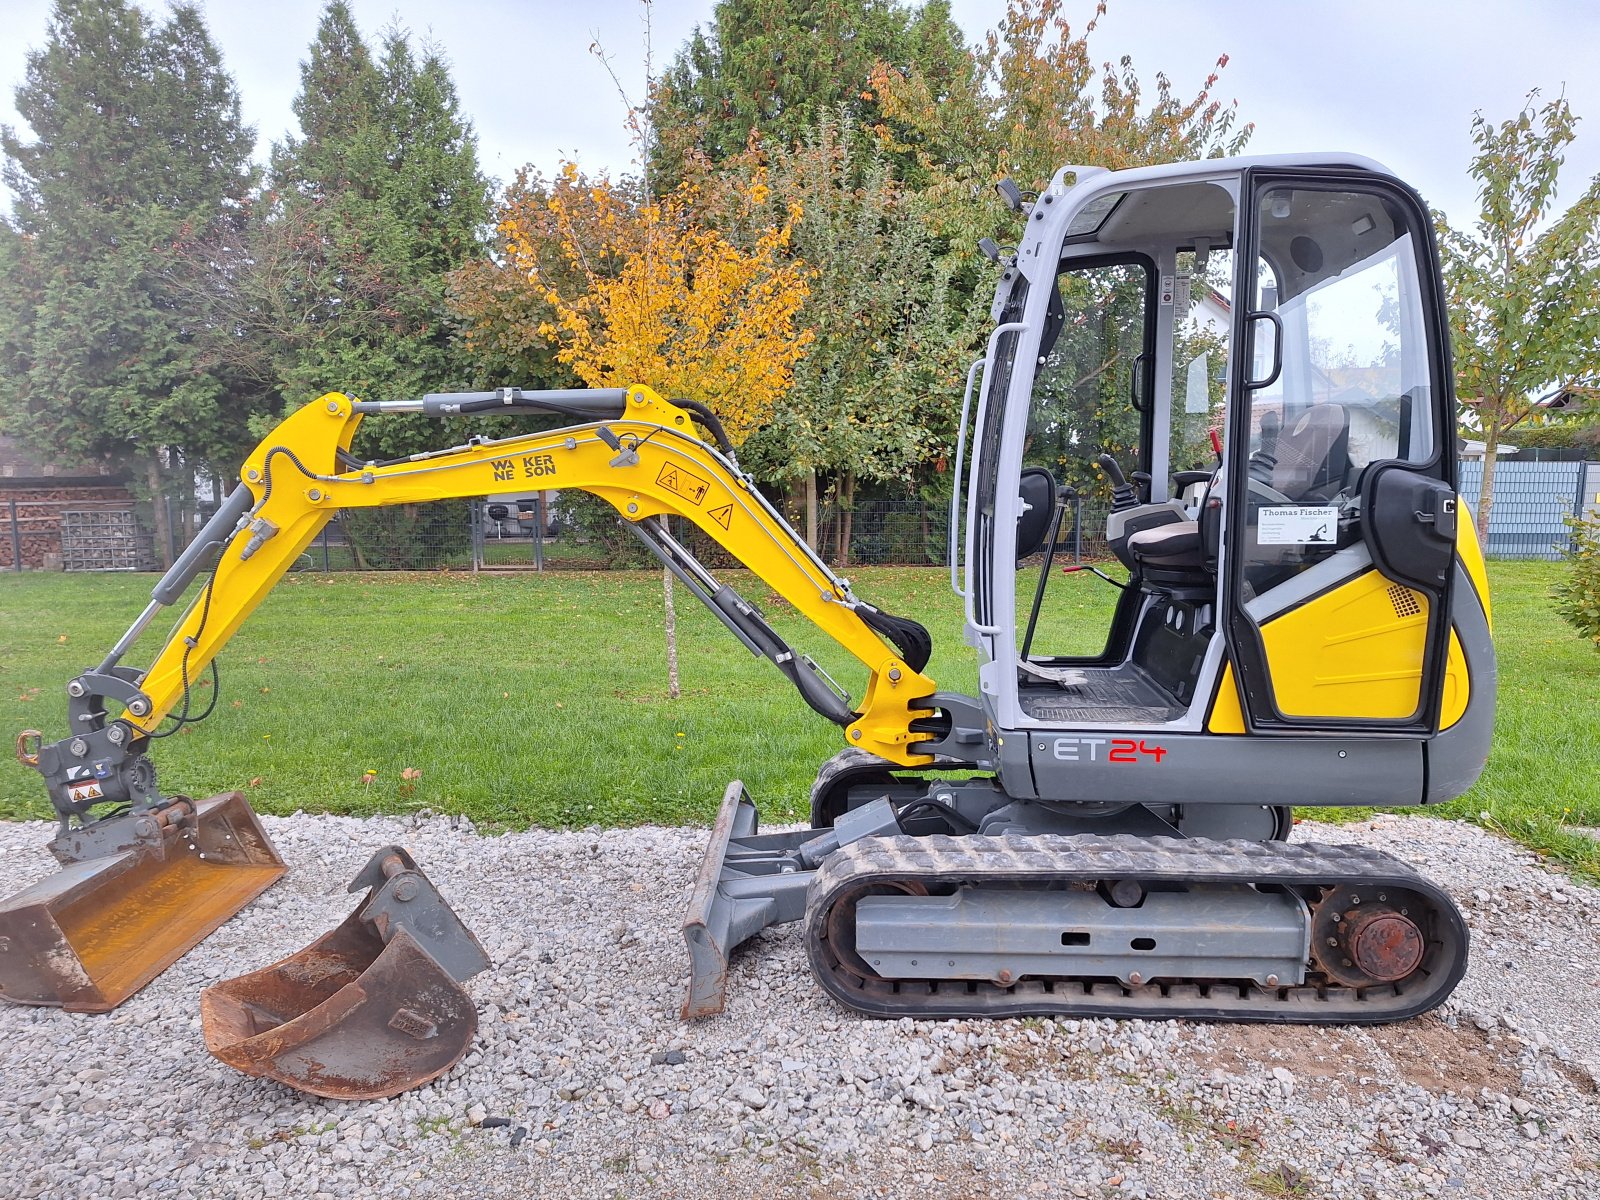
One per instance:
[(540, 699)]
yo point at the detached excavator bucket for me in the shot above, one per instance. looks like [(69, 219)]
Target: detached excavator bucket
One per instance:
[(367, 1011), (135, 893)]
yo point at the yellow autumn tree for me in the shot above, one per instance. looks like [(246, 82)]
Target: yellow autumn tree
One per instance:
[(645, 293)]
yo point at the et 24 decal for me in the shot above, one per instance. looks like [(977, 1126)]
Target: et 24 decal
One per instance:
[(1113, 750)]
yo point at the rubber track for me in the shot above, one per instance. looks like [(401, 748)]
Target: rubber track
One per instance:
[(1046, 859), (851, 762)]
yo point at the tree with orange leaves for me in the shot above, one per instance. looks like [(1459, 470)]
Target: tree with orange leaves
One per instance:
[(635, 292)]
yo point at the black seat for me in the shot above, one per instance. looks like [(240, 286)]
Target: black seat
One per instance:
[(1308, 461), (1171, 555)]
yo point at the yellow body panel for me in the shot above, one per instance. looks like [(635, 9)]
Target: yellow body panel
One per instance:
[(1226, 714), (1471, 555), (1355, 652), (662, 468), (1457, 685)]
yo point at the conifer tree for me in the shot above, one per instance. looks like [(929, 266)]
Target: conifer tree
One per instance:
[(138, 152), (367, 212)]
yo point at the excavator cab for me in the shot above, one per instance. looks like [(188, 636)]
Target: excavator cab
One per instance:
[(1240, 372)]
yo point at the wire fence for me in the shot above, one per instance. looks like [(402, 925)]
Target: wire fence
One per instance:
[(557, 531), (485, 535)]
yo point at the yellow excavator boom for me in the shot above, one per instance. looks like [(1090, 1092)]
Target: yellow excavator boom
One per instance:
[(149, 879), (647, 463)]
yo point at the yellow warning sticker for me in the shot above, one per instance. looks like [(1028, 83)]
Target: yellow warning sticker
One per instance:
[(683, 482), (721, 515)]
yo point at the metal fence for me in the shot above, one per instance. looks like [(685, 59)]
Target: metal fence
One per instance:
[(876, 532), (1531, 503), (485, 536), (543, 534)]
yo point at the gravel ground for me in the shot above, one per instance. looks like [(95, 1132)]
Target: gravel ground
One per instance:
[(788, 1095)]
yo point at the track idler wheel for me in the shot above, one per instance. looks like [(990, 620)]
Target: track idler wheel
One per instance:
[(1367, 936), (841, 924)]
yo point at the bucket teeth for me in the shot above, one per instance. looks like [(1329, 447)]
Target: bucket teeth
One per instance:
[(99, 929), (370, 1010)]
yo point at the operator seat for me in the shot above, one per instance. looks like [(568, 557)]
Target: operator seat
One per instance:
[(1306, 464), (1313, 456), (1171, 555)]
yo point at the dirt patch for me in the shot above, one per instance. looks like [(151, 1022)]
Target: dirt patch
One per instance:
[(1443, 1058), (1579, 1077), (1424, 1051), (1058, 1059), (1327, 1055)]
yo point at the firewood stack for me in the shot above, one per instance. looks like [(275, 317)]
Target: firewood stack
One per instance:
[(104, 532)]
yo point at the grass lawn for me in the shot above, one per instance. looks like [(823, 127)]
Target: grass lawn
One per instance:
[(541, 699)]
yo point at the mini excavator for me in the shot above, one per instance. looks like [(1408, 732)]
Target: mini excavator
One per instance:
[(1252, 357)]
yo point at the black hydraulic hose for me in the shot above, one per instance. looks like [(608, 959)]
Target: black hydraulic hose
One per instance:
[(529, 404), (190, 642), (909, 637), (711, 421), (266, 470), (943, 811)]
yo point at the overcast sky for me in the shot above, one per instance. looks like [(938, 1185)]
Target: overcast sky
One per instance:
[(1397, 80)]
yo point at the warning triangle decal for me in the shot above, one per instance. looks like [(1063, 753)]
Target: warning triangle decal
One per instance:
[(721, 515), (669, 480)]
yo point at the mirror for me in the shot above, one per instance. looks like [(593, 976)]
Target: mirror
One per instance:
[(1037, 491), (1410, 525)]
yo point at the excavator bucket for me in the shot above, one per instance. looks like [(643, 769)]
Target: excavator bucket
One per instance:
[(132, 897), (370, 1010)]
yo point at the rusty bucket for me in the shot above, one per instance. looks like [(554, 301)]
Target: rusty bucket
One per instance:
[(134, 894), (368, 1011)]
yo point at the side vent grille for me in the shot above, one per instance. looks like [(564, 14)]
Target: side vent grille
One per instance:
[(1405, 602)]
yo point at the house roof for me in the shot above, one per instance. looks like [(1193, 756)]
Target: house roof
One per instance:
[(1573, 397), (20, 466)]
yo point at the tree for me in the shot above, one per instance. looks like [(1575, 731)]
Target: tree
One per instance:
[(1524, 292), (1577, 596), (870, 397), (1026, 103), (629, 289), (661, 298), (1029, 100), (367, 214), (772, 68), (139, 153), (502, 317)]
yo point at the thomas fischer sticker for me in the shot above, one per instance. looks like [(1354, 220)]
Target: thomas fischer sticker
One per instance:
[(1294, 525)]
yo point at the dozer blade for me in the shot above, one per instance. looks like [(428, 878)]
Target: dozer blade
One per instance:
[(367, 1011), (98, 930), (747, 882)]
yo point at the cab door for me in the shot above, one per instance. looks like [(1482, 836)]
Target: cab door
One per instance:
[(1339, 524)]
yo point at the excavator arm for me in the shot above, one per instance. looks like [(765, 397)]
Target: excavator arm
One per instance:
[(640, 453)]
